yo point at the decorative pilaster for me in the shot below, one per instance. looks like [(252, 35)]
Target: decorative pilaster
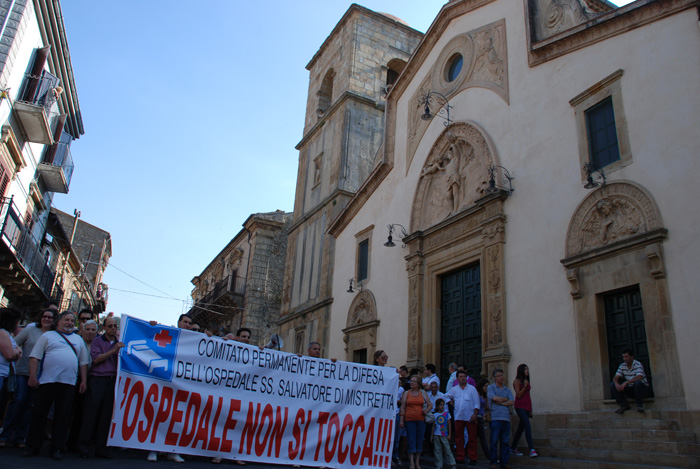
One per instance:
[(414, 267)]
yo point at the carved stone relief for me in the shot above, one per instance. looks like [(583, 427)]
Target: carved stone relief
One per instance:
[(454, 176), (495, 329), (362, 310), (579, 24), (612, 213), (485, 65), (551, 17), (495, 274), (361, 325), (572, 275), (656, 261)]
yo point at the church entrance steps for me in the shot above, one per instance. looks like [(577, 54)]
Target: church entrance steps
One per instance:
[(624, 434), (604, 439)]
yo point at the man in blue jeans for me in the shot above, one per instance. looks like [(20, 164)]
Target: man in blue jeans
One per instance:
[(500, 398)]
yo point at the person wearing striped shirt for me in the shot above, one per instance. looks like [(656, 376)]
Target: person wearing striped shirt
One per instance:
[(629, 380)]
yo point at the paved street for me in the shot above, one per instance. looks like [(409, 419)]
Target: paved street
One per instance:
[(10, 458)]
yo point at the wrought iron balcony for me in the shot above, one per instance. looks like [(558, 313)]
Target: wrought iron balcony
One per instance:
[(227, 292), (37, 107), (56, 166), (25, 272)]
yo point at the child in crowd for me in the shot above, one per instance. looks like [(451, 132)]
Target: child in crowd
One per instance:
[(442, 436)]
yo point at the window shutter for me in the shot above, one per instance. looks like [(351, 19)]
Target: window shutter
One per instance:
[(4, 180), (28, 219), (38, 66), (51, 151)]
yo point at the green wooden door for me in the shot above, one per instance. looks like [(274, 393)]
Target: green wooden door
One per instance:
[(461, 321), (624, 323)]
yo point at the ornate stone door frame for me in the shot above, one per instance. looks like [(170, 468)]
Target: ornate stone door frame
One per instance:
[(474, 235), (454, 222), (615, 240)]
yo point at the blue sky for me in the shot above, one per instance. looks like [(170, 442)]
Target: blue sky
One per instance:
[(192, 111)]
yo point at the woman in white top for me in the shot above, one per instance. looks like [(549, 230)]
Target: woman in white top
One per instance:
[(20, 407), (9, 351)]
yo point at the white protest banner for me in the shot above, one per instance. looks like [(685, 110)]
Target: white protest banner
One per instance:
[(183, 392)]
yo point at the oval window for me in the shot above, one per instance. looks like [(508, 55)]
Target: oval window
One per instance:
[(454, 66)]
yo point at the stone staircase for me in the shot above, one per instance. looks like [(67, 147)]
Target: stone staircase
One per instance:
[(605, 440)]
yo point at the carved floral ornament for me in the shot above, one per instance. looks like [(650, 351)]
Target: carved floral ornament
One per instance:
[(454, 176), (618, 211)]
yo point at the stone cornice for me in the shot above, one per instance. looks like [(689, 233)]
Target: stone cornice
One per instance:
[(362, 195), (347, 95), (290, 316), (346, 17), (628, 244), (320, 206)]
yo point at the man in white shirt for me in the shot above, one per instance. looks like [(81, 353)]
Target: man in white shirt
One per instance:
[(453, 376), (465, 400), (430, 377), (434, 394), (63, 356)]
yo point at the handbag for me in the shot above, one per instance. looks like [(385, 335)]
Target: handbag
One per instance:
[(429, 417)]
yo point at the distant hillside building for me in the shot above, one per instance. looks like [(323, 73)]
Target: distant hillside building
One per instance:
[(242, 285)]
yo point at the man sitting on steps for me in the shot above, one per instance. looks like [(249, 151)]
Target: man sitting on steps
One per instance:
[(635, 383)]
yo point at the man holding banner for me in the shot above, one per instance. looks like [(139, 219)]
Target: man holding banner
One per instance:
[(183, 392), (100, 398)]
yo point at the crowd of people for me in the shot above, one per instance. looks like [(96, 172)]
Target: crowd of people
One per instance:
[(57, 380), (452, 424), (58, 375)]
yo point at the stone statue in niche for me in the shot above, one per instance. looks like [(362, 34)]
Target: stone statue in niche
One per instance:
[(610, 220), (455, 178), (455, 169)]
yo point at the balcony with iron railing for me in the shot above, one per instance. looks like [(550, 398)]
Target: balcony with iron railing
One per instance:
[(56, 166), (37, 107), (26, 274), (225, 292)]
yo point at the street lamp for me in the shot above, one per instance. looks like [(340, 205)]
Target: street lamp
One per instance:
[(431, 98)]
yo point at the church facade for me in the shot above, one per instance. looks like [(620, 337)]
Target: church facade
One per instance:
[(536, 177)]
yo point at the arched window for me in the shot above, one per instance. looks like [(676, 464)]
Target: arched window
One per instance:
[(325, 94), (394, 69)]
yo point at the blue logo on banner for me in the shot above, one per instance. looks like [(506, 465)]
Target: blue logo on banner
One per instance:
[(149, 350)]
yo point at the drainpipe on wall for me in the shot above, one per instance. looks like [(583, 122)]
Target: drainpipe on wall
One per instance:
[(76, 213)]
